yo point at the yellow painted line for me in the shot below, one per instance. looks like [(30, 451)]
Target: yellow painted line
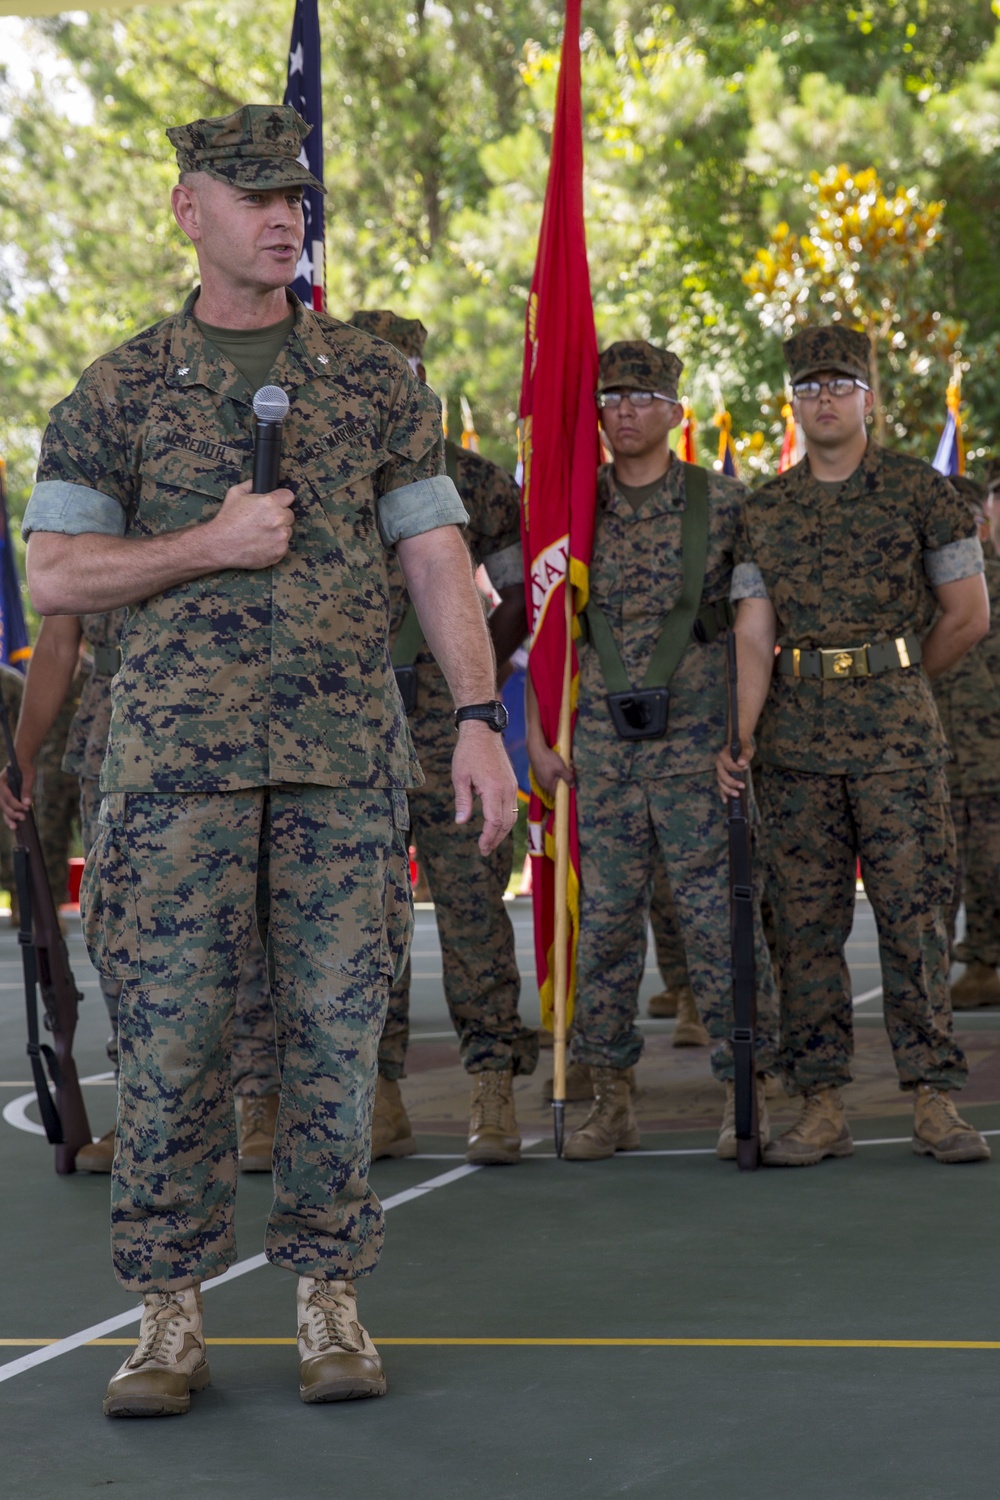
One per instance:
[(557, 1343)]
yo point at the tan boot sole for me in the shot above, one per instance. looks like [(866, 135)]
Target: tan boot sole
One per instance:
[(493, 1154), (972, 1152), (346, 1389), (405, 1147), (772, 1157), (691, 1036), (124, 1405), (630, 1143)]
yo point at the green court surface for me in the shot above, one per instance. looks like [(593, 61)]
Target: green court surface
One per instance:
[(657, 1325)]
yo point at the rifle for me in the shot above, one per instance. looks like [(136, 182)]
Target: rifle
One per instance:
[(742, 944), (46, 965)]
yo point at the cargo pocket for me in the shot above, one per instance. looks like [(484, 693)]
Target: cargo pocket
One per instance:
[(107, 899)]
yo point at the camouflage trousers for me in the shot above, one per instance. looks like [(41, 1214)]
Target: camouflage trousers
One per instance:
[(628, 830), (977, 830), (482, 984), (255, 1058), (671, 960), (815, 828), (172, 891)]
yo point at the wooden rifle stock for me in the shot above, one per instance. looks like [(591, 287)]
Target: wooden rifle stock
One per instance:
[(46, 967), (741, 931)]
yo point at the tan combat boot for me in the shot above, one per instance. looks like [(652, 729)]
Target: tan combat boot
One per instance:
[(579, 1088), (99, 1156), (611, 1125), (392, 1133), (663, 1005), (725, 1148), (337, 1359), (938, 1131), (256, 1119), (979, 985), (689, 1032), (168, 1363), (494, 1139), (821, 1130)]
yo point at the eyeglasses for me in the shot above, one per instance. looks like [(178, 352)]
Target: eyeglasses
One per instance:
[(637, 398), (841, 385)]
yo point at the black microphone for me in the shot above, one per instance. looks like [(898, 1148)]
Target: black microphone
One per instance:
[(270, 406)]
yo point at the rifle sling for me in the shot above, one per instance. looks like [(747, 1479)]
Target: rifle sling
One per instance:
[(37, 1049), (675, 636), (409, 637)]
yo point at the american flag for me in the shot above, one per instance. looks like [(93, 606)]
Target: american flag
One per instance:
[(303, 92)]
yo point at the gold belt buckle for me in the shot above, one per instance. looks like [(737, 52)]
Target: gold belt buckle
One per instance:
[(848, 662)]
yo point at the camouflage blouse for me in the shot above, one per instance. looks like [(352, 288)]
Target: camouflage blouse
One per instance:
[(853, 569), (251, 677)]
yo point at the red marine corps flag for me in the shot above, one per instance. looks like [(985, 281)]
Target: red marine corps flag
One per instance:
[(560, 449)]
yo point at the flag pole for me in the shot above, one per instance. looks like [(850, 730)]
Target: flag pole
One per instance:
[(561, 955)]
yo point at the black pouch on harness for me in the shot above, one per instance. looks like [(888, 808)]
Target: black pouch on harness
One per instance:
[(641, 713)]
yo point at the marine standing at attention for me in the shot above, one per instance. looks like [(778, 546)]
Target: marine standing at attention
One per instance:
[(651, 708), (258, 757), (482, 983), (864, 568)]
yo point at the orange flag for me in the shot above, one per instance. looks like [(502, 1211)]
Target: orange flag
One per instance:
[(561, 453)]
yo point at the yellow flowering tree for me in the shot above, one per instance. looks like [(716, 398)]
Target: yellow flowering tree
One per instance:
[(865, 259)]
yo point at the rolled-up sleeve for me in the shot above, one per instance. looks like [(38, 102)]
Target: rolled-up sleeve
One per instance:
[(419, 507), (57, 505), (955, 560), (747, 582)]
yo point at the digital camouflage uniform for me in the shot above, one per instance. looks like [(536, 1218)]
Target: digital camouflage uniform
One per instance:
[(479, 964), (55, 796), (481, 979), (255, 1064), (968, 699), (641, 802), (854, 765), (258, 756)]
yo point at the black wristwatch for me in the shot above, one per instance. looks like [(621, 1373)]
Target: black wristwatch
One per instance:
[(494, 714)]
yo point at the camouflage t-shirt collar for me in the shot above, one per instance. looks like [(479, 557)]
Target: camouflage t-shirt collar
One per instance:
[(303, 357), (866, 479), (668, 497)]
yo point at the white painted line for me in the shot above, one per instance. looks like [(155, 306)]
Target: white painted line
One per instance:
[(14, 1111), (868, 995), (242, 1267)]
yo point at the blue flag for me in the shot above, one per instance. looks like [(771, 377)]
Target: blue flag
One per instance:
[(950, 455), (303, 92), (14, 648), (946, 459)]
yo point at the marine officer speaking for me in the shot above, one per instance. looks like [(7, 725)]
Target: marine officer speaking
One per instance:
[(258, 754)]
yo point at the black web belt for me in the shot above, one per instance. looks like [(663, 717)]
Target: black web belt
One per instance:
[(838, 662)]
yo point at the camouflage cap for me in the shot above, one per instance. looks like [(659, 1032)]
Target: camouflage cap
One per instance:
[(635, 365), (258, 146), (408, 335), (842, 351), (991, 473)]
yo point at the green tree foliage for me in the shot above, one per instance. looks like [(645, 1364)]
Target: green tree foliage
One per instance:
[(705, 122)]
